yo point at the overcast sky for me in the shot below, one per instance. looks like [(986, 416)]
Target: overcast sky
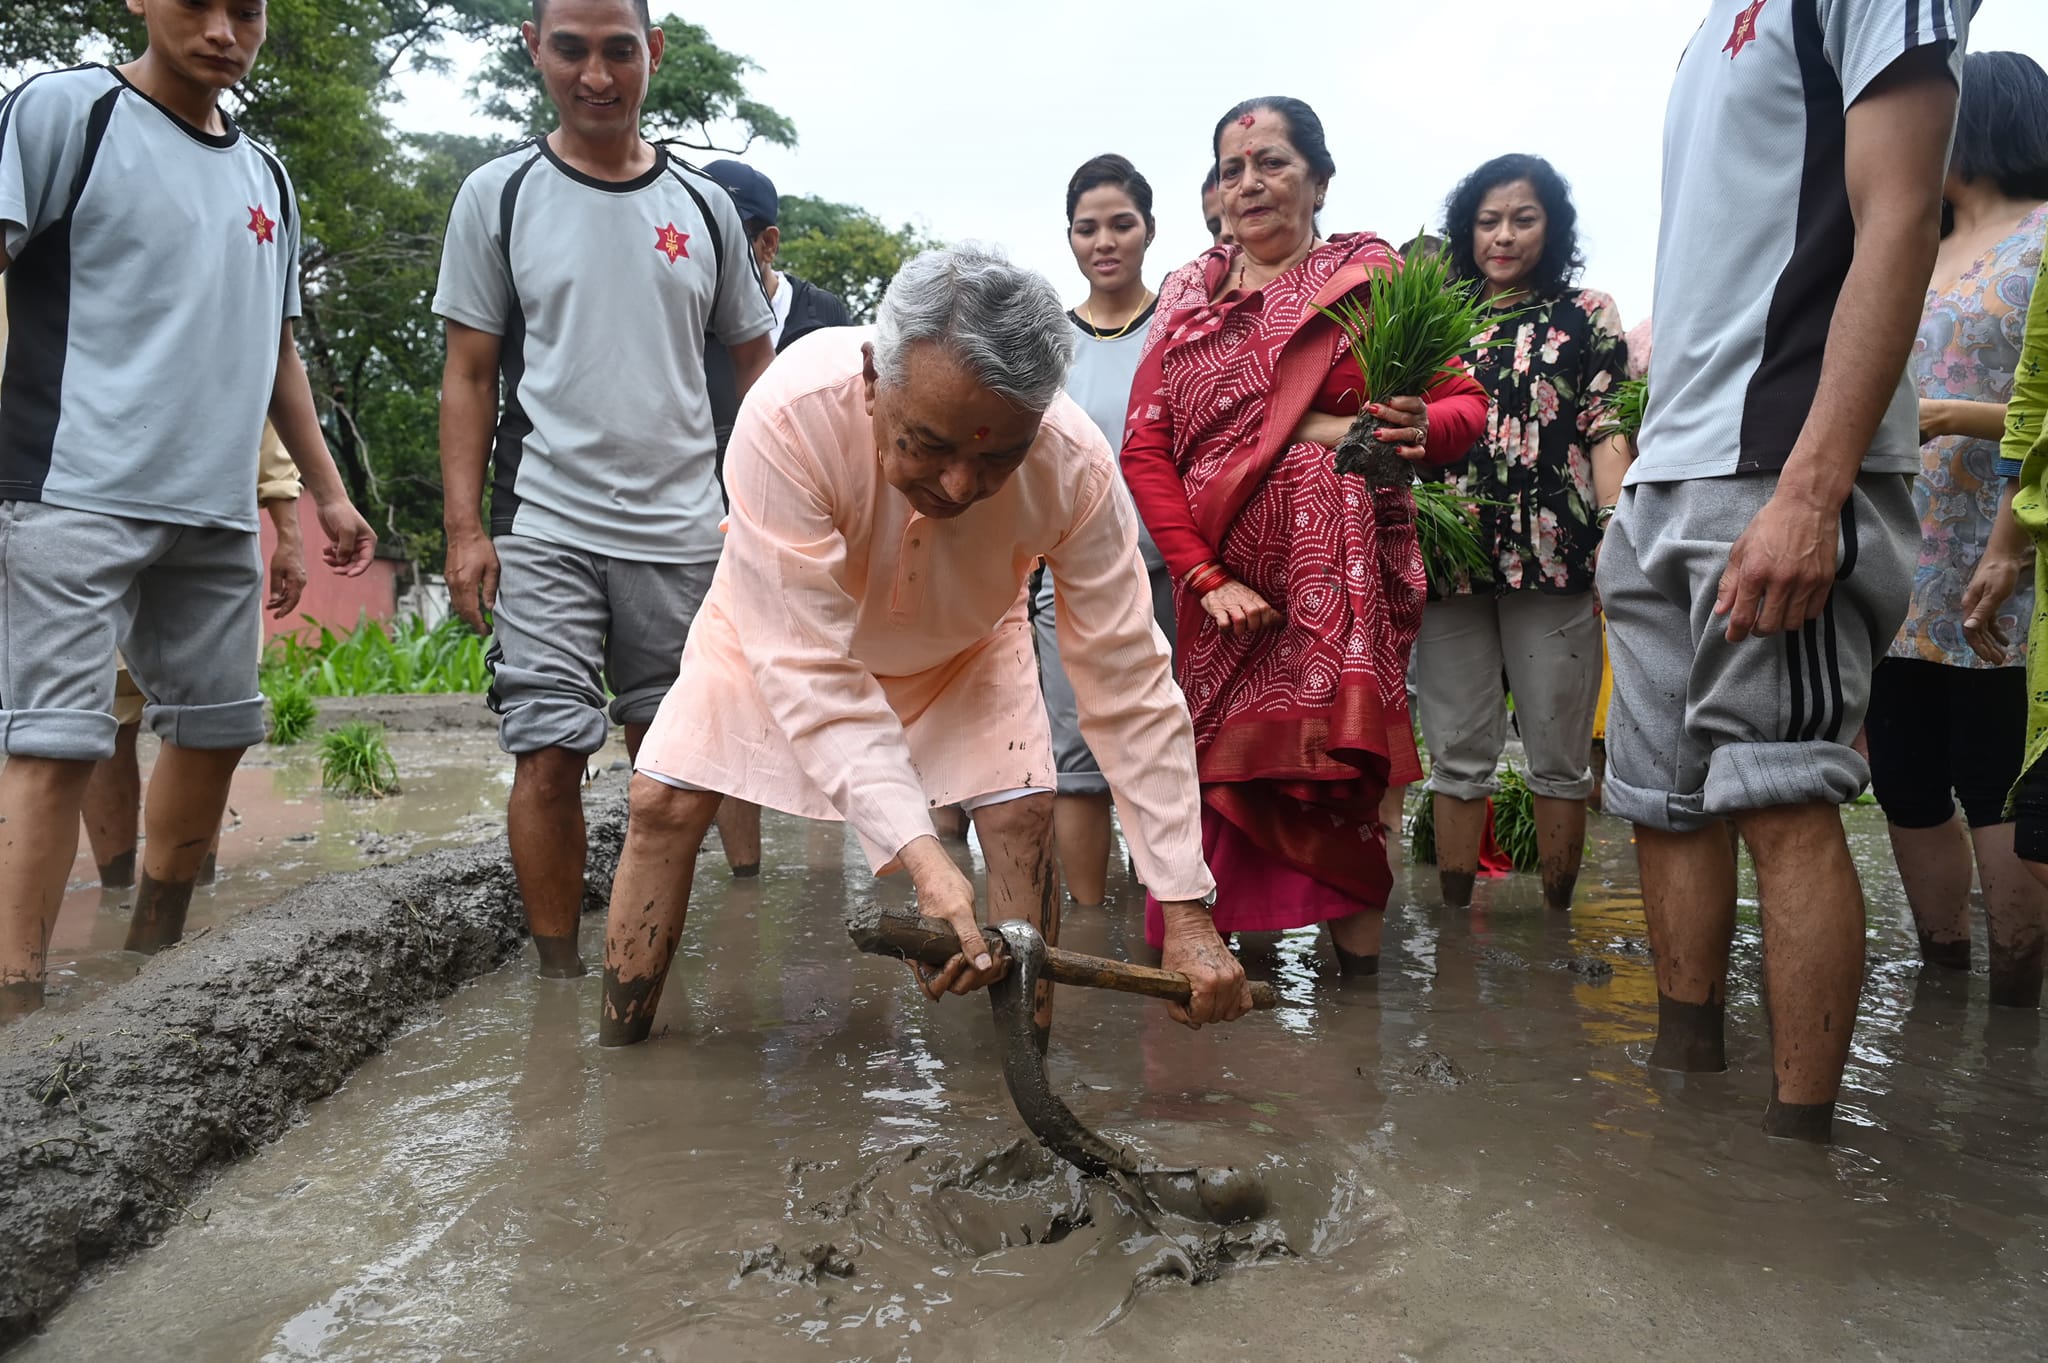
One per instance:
[(968, 119)]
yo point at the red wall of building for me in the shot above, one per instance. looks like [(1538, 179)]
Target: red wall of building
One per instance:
[(335, 601)]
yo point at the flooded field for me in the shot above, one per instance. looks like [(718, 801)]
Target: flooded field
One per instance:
[(1467, 1157), (282, 830)]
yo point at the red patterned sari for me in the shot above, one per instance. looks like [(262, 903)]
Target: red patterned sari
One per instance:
[(1299, 729)]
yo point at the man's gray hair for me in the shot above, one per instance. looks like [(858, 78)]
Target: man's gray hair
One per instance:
[(1003, 323)]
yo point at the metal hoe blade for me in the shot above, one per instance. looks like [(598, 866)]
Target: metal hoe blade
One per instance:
[(1225, 1195)]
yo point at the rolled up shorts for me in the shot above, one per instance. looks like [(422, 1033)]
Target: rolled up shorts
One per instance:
[(568, 624), (1701, 729), (181, 603)]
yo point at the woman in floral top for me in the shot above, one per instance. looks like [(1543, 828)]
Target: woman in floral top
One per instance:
[(1948, 707), (1548, 365)]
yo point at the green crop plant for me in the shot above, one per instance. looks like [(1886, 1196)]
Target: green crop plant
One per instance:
[(1622, 414), (1406, 334), (1514, 824), (374, 660), (292, 712), (356, 761), (1447, 533)]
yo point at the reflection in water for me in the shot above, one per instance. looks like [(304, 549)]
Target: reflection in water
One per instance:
[(1467, 1156)]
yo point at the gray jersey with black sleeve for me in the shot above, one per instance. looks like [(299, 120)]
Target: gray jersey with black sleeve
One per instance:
[(153, 268), (601, 293), (1757, 235)]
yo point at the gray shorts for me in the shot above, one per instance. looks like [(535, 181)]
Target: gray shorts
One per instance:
[(568, 625), (1078, 771), (183, 603), (1549, 649), (1700, 729)]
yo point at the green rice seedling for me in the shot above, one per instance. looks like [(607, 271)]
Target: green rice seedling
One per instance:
[(1412, 324), (1623, 412), (356, 761), (1447, 532), (1422, 832), (292, 712), (1514, 820)]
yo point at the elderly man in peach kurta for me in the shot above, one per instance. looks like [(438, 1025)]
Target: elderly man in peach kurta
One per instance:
[(863, 653)]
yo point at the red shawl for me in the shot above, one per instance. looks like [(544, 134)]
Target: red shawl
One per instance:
[(1300, 729)]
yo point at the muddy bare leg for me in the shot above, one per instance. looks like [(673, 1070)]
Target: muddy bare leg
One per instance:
[(1081, 833), (113, 811), (1393, 812), (2016, 914), (187, 793), (1689, 902), (1560, 848), (665, 830), (1934, 866), (1016, 841), (950, 822), (739, 833), (39, 803), (1812, 909), (1356, 939), (544, 822), (1460, 824)]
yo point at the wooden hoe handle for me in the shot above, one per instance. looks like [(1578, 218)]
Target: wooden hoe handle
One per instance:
[(933, 941)]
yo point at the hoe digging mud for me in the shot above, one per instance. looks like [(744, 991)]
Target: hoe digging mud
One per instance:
[(1224, 1195)]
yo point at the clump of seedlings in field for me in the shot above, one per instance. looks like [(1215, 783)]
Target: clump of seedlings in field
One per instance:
[(292, 712), (356, 761)]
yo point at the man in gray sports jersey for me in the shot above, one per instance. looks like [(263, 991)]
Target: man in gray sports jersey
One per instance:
[(582, 271), (151, 254), (1760, 558)]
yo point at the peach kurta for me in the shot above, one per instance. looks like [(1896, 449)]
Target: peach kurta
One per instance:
[(854, 659)]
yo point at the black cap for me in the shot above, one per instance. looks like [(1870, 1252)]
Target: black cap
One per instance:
[(752, 192)]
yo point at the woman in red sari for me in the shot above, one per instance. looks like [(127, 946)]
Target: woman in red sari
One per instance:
[(1299, 590)]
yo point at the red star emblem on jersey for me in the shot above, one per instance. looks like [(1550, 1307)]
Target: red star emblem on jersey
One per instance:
[(1745, 30), (671, 243), (261, 224)]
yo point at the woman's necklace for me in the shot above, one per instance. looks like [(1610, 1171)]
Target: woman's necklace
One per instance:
[(1088, 316)]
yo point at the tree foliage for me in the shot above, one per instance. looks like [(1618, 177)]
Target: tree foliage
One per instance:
[(844, 249), (699, 92)]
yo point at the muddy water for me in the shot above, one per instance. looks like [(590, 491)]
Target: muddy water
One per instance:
[(1467, 1157), (282, 830)]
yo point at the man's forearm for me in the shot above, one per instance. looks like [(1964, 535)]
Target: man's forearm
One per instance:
[(467, 417), (284, 517), (1868, 342), (298, 426)]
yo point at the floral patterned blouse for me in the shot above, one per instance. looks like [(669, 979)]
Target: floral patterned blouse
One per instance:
[(1968, 348), (1534, 462)]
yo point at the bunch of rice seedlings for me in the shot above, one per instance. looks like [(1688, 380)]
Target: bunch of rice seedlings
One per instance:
[(1447, 532), (356, 761), (292, 712), (1422, 832), (1514, 824), (1623, 414), (1412, 323), (1514, 820)]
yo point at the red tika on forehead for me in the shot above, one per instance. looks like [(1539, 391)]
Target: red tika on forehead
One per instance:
[(981, 434), (1246, 121)]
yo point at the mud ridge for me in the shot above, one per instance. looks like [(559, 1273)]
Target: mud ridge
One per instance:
[(113, 1116)]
